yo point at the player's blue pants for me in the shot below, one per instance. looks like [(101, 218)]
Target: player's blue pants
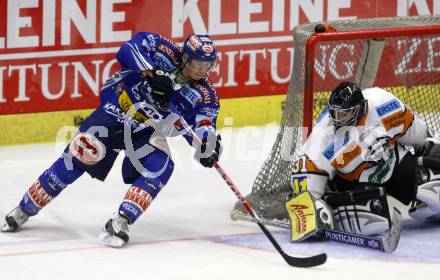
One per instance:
[(94, 150)]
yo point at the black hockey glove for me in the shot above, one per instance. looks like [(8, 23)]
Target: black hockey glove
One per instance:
[(161, 86), (209, 151)]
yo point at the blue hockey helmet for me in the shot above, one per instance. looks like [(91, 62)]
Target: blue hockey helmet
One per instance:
[(199, 47)]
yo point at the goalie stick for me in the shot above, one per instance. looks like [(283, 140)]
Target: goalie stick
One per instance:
[(385, 244), (292, 261)]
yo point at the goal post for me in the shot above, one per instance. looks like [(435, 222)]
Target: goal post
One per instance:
[(399, 54)]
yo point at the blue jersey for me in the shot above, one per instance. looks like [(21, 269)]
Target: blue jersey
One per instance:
[(196, 101)]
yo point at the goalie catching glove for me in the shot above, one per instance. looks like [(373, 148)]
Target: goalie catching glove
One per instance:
[(209, 151), (374, 142)]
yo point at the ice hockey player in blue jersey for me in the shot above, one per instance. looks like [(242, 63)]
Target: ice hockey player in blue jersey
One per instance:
[(139, 107)]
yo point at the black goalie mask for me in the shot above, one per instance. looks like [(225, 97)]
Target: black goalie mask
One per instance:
[(346, 104)]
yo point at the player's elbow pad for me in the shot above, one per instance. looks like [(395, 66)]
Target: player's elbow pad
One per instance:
[(129, 56)]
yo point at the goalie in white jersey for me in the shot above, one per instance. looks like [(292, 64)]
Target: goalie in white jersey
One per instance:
[(365, 145)]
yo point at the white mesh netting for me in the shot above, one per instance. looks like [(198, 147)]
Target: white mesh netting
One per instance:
[(407, 65)]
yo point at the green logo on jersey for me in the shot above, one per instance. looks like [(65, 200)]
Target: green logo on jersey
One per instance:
[(382, 170)]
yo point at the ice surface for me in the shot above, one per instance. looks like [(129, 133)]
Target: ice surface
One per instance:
[(186, 233)]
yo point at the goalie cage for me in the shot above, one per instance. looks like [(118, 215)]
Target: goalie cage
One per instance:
[(399, 54)]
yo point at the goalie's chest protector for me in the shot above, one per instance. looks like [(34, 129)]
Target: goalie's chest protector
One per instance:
[(342, 152)]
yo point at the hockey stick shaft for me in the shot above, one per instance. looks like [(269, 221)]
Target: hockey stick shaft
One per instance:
[(293, 261)]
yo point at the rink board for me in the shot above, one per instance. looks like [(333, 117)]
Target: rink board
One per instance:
[(44, 127), (235, 112)]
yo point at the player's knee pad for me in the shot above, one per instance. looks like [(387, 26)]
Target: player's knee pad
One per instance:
[(48, 186), (156, 165), (59, 175), (363, 211)]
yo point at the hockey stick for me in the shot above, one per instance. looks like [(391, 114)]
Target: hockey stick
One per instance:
[(293, 261), (385, 244)]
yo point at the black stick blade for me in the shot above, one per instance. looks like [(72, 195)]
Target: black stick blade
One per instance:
[(307, 261), (293, 261)]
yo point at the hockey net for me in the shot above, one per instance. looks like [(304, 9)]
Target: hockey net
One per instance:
[(401, 55)]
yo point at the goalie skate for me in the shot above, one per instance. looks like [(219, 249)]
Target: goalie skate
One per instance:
[(115, 232), (14, 220)]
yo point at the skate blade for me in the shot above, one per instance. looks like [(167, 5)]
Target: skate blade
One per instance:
[(110, 240), (7, 228)]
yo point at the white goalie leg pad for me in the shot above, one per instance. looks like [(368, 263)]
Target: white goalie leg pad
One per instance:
[(326, 219), (427, 181), (429, 193), (421, 211), (359, 220), (428, 199), (363, 211)]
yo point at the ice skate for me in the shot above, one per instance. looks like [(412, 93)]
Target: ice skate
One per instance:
[(14, 220), (115, 232)]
